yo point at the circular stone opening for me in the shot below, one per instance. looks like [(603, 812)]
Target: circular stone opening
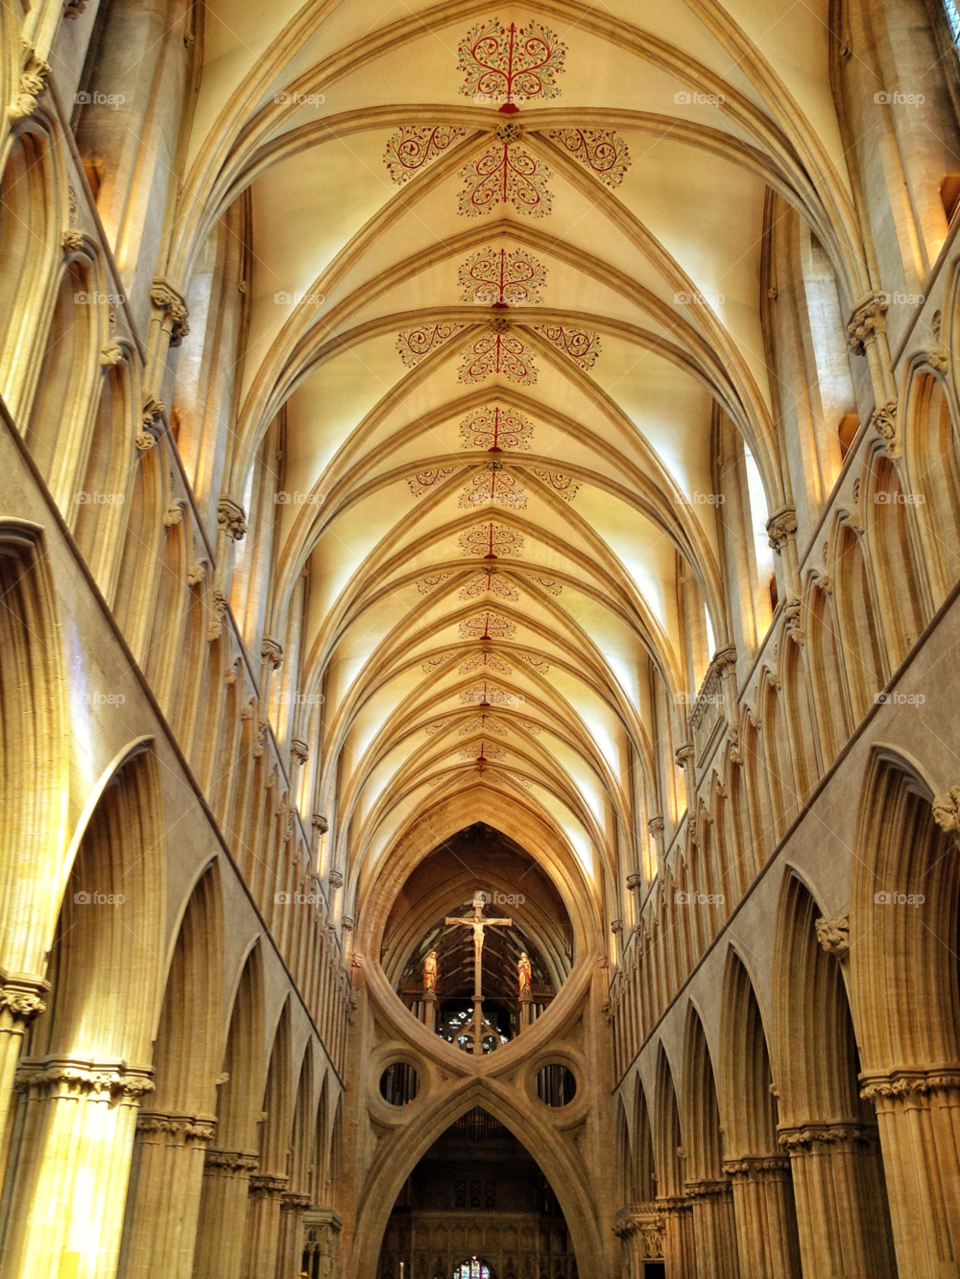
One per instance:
[(399, 1084), (556, 1086)]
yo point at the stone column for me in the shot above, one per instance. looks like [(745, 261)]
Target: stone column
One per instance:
[(21, 1002), (766, 1217), (640, 1230), (837, 1182), (714, 1229), (919, 1116), (226, 1184), (76, 1124), (263, 1225), (290, 1250), (169, 1183), (679, 1249), (321, 1243), (430, 1010), (526, 1009)]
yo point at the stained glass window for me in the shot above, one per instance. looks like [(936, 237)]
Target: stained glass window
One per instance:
[(472, 1269), (953, 17)]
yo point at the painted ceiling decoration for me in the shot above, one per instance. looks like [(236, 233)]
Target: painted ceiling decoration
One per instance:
[(536, 248)]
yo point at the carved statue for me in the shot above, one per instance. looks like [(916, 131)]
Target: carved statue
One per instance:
[(524, 973), (430, 971)]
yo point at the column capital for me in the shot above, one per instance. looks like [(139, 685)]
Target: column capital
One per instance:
[(266, 1183), (232, 1160), (22, 995), (754, 1166), (290, 1202), (177, 1130), (869, 318), (801, 1138), (906, 1081), (232, 518), (62, 1077)]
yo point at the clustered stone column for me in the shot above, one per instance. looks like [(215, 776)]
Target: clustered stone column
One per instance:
[(919, 1116), (21, 1002), (766, 1219), (679, 1250), (263, 1224), (639, 1228), (169, 1182), (226, 1184), (839, 1197), (714, 1228), (76, 1120)]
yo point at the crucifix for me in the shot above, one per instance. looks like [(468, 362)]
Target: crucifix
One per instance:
[(478, 924)]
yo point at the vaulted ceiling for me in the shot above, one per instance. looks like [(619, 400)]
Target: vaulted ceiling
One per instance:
[(507, 275)]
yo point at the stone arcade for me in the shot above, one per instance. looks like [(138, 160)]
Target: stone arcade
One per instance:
[(487, 464)]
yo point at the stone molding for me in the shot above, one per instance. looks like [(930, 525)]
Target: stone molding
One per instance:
[(801, 1138), (232, 1160), (267, 1183), (907, 1081), (75, 1077), (754, 1166), (177, 1130), (292, 1202), (708, 1187)]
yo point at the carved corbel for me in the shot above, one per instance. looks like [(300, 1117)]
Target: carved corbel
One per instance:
[(112, 355), (939, 357), (31, 84), (196, 573), (232, 518), (271, 650), (215, 629), (869, 318), (299, 751), (173, 516), (72, 240), (884, 422), (152, 421), (833, 934), (336, 879), (168, 301), (72, 9), (791, 621), (320, 823), (780, 527), (946, 809)]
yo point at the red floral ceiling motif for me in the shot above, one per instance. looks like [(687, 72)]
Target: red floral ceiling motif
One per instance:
[(487, 626), (434, 728), (496, 429), (483, 724), (493, 484), (434, 663), (532, 729), (564, 486), (414, 344), (505, 174), (521, 781), (487, 695), (548, 584), (581, 345), (413, 147), (533, 659), (423, 481), (483, 752), (486, 660), (490, 581), (491, 540), (498, 351), (427, 584), (501, 277), (510, 64), (604, 152)]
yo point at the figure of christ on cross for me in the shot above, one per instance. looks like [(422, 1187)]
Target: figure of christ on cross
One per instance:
[(478, 924)]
